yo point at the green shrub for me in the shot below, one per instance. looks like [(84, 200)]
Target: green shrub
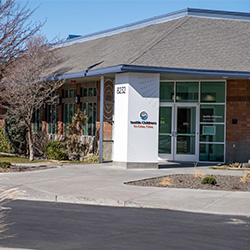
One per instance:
[(5, 146), (209, 180), (5, 164), (15, 131), (53, 151)]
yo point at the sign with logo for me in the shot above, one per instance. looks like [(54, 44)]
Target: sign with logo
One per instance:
[(143, 123)]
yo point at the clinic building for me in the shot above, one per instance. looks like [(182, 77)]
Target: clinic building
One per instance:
[(170, 88)]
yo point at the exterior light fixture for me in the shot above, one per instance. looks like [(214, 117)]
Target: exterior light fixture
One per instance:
[(59, 100), (77, 99)]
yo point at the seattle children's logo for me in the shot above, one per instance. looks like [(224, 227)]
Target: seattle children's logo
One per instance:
[(144, 115)]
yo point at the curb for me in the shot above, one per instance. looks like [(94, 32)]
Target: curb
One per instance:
[(117, 203)]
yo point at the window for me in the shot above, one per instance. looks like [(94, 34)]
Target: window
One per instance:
[(37, 120), (52, 119), (187, 91), (90, 127), (212, 152), (89, 92), (213, 92), (69, 111), (212, 122), (167, 91), (69, 93), (212, 113)]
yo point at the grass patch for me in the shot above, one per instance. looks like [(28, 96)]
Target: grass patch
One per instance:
[(226, 168), (15, 159)]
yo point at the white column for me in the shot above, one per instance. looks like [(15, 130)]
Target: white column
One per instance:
[(101, 119), (136, 120)]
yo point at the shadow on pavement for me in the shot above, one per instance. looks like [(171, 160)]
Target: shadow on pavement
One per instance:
[(162, 165)]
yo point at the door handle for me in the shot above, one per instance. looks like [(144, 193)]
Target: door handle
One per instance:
[(174, 134)]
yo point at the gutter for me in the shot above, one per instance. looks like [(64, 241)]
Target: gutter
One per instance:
[(148, 69)]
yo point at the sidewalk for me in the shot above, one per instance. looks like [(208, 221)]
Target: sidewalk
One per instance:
[(102, 184)]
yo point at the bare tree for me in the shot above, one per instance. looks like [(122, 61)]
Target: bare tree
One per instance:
[(27, 84), (15, 29)]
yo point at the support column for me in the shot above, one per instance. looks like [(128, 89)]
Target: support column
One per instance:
[(136, 120), (101, 119), (60, 112)]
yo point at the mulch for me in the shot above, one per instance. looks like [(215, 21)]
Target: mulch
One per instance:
[(224, 182)]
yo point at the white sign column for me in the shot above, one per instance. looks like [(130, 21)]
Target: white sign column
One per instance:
[(136, 115)]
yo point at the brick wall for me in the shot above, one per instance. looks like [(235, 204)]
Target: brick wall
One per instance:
[(238, 108)]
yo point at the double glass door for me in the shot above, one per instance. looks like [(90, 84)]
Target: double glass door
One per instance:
[(178, 132)]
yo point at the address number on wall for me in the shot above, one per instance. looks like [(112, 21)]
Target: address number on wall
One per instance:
[(121, 90)]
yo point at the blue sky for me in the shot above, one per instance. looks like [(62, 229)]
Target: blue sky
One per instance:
[(81, 17)]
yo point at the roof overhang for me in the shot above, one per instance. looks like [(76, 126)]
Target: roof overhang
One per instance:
[(111, 71)]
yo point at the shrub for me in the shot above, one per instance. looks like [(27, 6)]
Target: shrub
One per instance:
[(5, 146), (5, 164), (197, 174), (72, 143), (245, 177), (92, 159), (209, 180), (40, 140), (53, 151), (15, 131)]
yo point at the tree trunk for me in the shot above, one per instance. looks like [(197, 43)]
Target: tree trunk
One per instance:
[(31, 145)]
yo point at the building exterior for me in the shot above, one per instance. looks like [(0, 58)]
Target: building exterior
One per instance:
[(174, 87)]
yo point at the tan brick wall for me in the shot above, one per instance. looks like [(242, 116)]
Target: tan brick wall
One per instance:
[(107, 130), (238, 107)]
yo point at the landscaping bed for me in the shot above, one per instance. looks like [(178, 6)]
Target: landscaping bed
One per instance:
[(224, 182), (15, 168)]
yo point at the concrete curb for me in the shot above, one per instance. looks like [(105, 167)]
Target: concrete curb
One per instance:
[(118, 203)]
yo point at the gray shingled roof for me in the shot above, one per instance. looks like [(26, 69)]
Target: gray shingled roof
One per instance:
[(187, 42)]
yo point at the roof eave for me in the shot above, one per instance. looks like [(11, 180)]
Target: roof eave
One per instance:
[(148, 69)]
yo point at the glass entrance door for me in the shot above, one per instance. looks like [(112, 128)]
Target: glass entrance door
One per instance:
[(166, 133), (178, 133), (185, 134)]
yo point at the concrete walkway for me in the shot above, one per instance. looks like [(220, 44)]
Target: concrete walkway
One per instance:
[(102, 184)]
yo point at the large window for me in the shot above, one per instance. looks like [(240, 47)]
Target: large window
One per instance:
[(90, 127), (89, 104), (69, 111), (69, 106), (52, 119), (37, 120)]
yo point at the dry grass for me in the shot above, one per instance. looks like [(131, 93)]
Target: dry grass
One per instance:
[(166, 181), (245, 177), (198, 174)]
